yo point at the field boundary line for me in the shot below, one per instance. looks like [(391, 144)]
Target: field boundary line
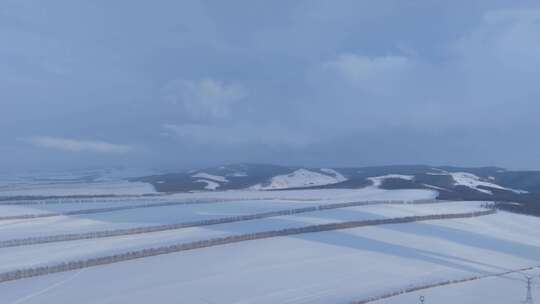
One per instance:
[(156, 251), (182, 225)]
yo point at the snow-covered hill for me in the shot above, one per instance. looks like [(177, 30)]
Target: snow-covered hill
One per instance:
[(520, 189), (474, 182), (489, 183), (377, 181), (302, 178), (483, 181)]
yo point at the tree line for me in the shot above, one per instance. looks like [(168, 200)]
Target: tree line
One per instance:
[(148, 252), (103, 210), (175, 226)]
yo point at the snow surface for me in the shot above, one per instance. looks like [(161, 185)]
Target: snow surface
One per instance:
[(238, 174), (434, 187), (301, 178), (22, 257), (69, 188), (337, 195), (233, 203), (211, 177), (326, 267), (475, 292), (474, 182), (334, 173), (132, 217), (378, 180)]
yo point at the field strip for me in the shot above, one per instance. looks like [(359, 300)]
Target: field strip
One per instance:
[(175, 226), (150, 205), (140, 200), (100, 210), (121, 199), (149, 252), (39, 199), (407, 290)]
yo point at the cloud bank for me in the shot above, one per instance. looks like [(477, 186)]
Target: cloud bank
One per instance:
[(74, 145), (301, 82)]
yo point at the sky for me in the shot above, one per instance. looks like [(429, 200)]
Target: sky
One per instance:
[(172, 84)]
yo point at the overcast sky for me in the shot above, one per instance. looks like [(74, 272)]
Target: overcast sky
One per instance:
[(172, 84)]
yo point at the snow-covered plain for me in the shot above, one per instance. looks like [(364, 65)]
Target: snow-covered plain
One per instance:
[(325, 267), (479, 291), (133, 217), (48, 188), (25, 256)]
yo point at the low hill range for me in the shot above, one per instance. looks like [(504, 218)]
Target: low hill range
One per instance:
[(514, 190)]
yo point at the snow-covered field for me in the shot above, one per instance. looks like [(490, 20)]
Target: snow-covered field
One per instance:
[(18, 257), (134, 217), (338, 266), (48, 188), (514, 286)]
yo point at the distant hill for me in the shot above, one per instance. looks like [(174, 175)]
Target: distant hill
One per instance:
[(452, 183)]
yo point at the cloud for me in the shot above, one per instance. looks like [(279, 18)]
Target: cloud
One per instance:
[(486, 75), (238, 134), (508, 38), (371, 74), (498, 65), (206, 99), (73, 145), (359, 67), (330, 76)]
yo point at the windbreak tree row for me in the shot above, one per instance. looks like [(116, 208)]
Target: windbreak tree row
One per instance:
[(149, 252), (175, 226)]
